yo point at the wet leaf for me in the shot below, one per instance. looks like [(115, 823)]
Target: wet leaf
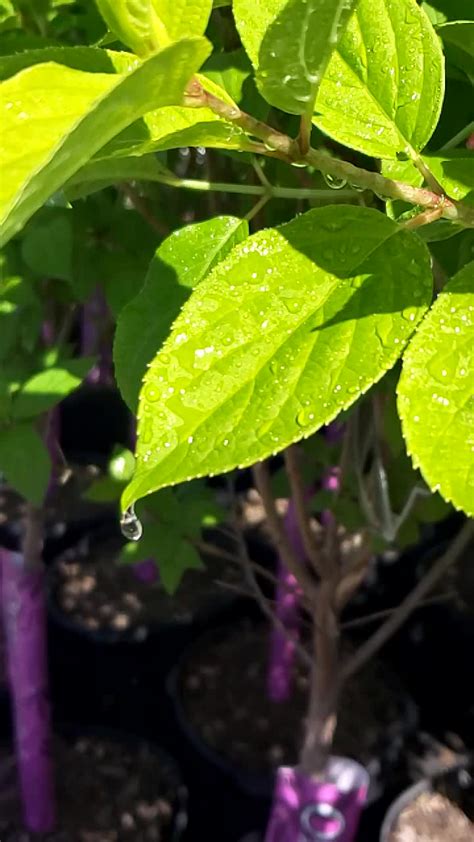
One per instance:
[(54, 119), (435, 393), (180, 263), (25, 462), (291, 328), (383, 89)]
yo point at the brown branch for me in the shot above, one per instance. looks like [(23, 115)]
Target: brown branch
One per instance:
[(282, 545), (388, 629), (32, 544), (141, 206), (262, 602), (380, 615), (302, 515), (216, 552)]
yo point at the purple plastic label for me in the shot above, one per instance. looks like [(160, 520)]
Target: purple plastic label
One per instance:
[(305, 810)]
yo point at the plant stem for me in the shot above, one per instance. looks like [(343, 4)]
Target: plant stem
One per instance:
[(430, 179), (141, 206), (258, 206), (424, 218), (298, 496), (289, 634), (281, 146), (324, 688), (283, 547), (459, 137), (304, 137), (401, 614), (271, 190), (387, 612)]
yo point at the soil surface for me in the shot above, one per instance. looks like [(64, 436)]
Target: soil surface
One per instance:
[(106, 792), (97, 593), (223, 691), (432, 817)]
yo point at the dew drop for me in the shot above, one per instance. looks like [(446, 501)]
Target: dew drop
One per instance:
[(305, 417), (334, 182), (130, 525)]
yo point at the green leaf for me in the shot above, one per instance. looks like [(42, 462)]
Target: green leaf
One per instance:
[(55, 119), (47, 388), (435, 395), (135, 23), (20, 314), (89, 59), (295, 51), (383, 89), (253, 18), (47, 247), (440, 11), (286, 332), (147, 25), (25, 461), (458, 39), (174, 127), (454, 171), (181, 262), (99, 174), (172, 553)]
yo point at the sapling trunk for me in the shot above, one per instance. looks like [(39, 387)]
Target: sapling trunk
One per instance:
[(287, 609), (24, 615), (323, 687)]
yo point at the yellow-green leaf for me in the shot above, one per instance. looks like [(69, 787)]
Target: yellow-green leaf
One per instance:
[(55, 119), (436, 393)]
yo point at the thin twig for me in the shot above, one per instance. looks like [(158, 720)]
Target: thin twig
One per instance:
[(258, 206), (388, 629), (302, 516), (262, 600), (380, 615), (216, 552), (282, 545), (141, 206), (425, 218), (458, 138)]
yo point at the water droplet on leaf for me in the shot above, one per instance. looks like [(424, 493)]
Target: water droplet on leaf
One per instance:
[(130, 525)]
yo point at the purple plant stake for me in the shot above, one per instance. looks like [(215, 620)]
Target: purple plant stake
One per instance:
[(3, 666), (306, 810), (24, 619), (94, 315), (288, 596)]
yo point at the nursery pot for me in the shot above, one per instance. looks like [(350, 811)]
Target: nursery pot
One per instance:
[(105, 602), (254, 782), (129, 785), (461, 778)]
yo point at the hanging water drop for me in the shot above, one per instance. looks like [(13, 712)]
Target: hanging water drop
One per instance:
[(130, 525), (333, 182)]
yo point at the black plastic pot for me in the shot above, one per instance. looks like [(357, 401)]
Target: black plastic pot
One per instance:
[(179, 820), (261, 784), (411, 794)]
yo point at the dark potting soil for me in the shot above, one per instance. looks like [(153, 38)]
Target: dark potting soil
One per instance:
[(97, 593), (106, 792), (223, 690), (432, 817)]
